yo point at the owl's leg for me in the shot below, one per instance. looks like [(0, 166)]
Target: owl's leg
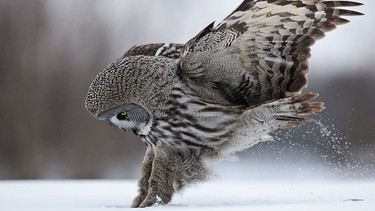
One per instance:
[(191, 168), (145, 175), (160, 183)]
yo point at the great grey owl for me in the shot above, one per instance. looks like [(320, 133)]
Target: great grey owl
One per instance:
[(222, 92)]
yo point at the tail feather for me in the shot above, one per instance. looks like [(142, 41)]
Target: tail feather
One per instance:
[(286, 112), (258, 121)]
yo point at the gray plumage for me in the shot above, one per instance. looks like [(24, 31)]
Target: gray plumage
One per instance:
[(223, 91)]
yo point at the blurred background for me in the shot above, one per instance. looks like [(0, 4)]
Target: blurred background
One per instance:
[(52, 50)]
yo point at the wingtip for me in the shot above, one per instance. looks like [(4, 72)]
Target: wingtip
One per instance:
[(351, 4), (344, 3), (359, 13), (355, 4)]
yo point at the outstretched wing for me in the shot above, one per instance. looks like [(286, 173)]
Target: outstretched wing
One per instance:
[(170, 50), (259, 52)]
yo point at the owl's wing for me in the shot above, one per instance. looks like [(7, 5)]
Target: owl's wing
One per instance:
[(259, 52), (170, 50)]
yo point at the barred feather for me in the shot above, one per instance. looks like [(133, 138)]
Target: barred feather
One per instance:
[(191, 122), (169, 50), (268, 43), (218, 131)]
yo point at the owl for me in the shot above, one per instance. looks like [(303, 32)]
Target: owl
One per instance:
[(221, 92)]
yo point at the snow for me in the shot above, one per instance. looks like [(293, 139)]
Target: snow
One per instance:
[(251, 195)]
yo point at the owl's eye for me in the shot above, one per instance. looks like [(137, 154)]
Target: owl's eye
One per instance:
[(122, 115)]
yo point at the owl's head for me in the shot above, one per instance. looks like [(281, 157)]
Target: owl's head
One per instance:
[(131, 92)]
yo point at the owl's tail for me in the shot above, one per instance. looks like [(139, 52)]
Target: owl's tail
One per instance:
[(283, 113), (257, 122)]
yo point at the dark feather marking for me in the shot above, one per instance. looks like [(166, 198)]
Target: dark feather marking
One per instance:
[(204, 129), (147, 50), (290, 118), (191, 135), (245, 6), (231, 94), (342, 3), (200, 103), (216, 109), (197, 144), (190, 44), (239, 27)]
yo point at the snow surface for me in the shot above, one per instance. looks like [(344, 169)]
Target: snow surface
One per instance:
[(214, 195)]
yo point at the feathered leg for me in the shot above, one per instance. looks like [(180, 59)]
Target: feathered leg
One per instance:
[(171, 169), (160, 182), (145, 175)]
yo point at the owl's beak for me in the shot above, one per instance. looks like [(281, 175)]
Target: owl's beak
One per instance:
[(127, 129), (110, 123)]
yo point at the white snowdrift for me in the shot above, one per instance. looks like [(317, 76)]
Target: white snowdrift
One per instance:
[(213, 195)]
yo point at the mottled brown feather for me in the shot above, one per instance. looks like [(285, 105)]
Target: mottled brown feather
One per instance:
[(266, 43), (171, 50)]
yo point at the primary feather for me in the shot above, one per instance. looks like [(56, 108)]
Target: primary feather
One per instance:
[(260, 52)]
